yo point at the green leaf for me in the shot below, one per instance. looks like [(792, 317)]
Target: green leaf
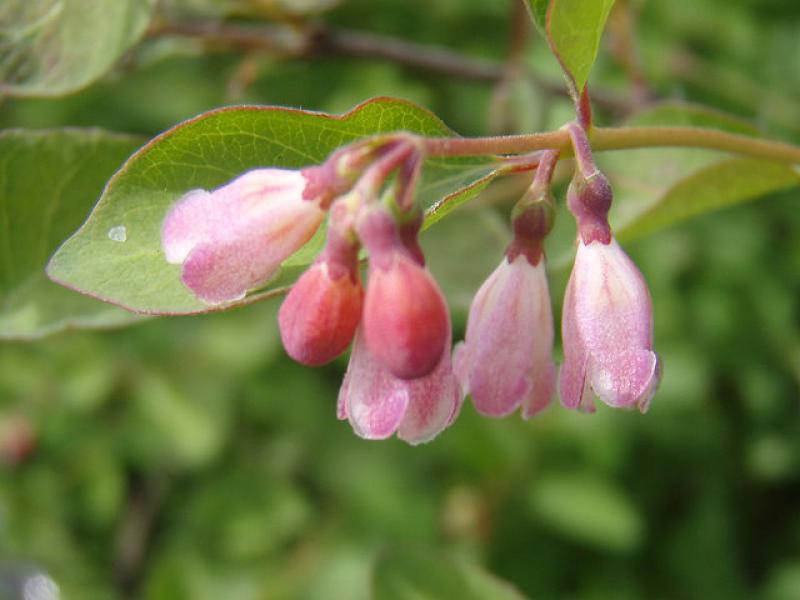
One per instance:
[(206, 152), (418, 574), (654, 188), (587, 509), (48, 180), (573, 29), (719, 185), (54, 47), (538, 11)]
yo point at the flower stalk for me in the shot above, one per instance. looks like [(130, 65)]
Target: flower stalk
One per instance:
[(617, 138)]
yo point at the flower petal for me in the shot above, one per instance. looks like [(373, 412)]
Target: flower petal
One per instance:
[(379, 404), (235, 237), (434, 403), (608, 330), (188, 223), (507, 357), (374, 401)]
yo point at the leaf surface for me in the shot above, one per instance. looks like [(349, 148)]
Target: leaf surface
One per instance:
[(573, 29), (48, 181), (208, 151), (54, 47)]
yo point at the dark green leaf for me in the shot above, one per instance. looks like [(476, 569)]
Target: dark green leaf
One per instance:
[(209, 150), (48, 180), (54, 47), (417, 574)]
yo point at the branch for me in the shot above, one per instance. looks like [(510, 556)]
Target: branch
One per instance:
[(322, 41), (618, 138)]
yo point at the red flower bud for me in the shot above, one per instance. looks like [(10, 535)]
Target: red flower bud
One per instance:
[(406, 323), (319, 317), (405, 318)]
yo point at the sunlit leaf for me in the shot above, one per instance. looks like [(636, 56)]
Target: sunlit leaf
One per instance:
[(206, 152), (54, 47), (48, 181)]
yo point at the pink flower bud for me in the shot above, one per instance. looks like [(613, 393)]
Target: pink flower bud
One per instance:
[(507, 357), (607, 331), (379, 404), (590, 200), (319, 316), (236, 237), (406, 323)]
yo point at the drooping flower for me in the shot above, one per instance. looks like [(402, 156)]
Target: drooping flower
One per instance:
[(406, 322), (319, 317), (378, 404), (235, 237), (607, 331), (506, 359), (607, 319)]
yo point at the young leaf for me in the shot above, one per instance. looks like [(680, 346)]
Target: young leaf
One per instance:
[(54, 47), (573, 29), (48, 180), (412, 574), (208, 151)]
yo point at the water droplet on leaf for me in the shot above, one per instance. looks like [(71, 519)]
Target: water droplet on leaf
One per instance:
[(118, 233)]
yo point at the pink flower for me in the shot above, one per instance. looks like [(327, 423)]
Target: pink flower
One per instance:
[(506, 359), (379, 404), (406, 322), (607, 331), (235, 238), (319, 317)]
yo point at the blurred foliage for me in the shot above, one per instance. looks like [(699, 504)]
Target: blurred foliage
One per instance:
[(188, 458)]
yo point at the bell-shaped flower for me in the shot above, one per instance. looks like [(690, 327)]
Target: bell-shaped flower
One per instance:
[(234, 238), (607, 331), (607, 318), (506, 359), (378, 404), (406, 322), (319, 317)]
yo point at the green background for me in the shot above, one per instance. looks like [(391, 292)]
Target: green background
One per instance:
[(189, 458)]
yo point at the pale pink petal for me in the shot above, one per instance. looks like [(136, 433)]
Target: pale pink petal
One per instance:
[(507, 356), (189, 222), (341, 400), (608, 329), (379, 404), (573, 384), (374, 401), (236, 237), (434, 402)]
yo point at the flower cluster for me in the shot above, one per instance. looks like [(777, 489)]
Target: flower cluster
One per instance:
[(401, 378)]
